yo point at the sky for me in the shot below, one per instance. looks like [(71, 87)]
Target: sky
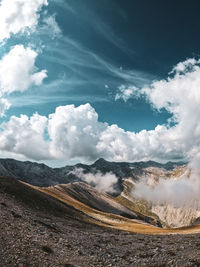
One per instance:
[(85, 79)]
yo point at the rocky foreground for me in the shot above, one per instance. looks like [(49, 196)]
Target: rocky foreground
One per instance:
[(41, 231)]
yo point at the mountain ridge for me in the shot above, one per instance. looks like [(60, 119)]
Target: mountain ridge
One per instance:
[(39, 174)]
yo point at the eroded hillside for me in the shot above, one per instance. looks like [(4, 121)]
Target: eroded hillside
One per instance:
[(125, 177), (169, 214), (59, 227)]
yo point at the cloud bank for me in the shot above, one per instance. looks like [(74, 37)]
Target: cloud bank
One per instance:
[(180, 192), (75, 132), (179, 94)]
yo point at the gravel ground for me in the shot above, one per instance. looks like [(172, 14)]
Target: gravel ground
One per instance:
[(31, 238)]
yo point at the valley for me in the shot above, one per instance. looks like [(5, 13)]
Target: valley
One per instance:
[(74, 224)]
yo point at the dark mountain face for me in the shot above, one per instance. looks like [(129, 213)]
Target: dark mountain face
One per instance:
[(91, 197), (127, 169), (35, 173), (42, 175), (35, 199)]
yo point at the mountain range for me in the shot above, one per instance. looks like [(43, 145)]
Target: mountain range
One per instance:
[(42, 175), (56, 217)]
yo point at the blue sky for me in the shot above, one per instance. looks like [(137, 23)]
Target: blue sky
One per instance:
[(90, 49), (103, 45), (108, 43), (95, 53)]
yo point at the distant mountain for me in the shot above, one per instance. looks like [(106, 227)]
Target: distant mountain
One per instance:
[(35, 173), (42, 175)]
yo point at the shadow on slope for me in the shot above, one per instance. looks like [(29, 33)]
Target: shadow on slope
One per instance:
[(91, 197), (39, 201), (55, 202)]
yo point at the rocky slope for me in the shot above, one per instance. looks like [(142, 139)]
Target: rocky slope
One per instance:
[(176, 216), (168, 214), (89, 196), (127, 175), (38, 229)]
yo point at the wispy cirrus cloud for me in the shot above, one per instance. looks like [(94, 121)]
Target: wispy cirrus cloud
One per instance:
[(86, 71), (75, 132), (49, 26), (83, 61), (66, 6)]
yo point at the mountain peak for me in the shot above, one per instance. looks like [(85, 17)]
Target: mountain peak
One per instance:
[(100, 160)]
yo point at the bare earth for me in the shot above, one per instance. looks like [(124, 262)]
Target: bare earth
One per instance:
[(40, 231)]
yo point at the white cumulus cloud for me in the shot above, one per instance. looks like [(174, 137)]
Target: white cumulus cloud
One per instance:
[(18, 16), (25, 137), (75, 132), (18, 71), (180, 95)]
